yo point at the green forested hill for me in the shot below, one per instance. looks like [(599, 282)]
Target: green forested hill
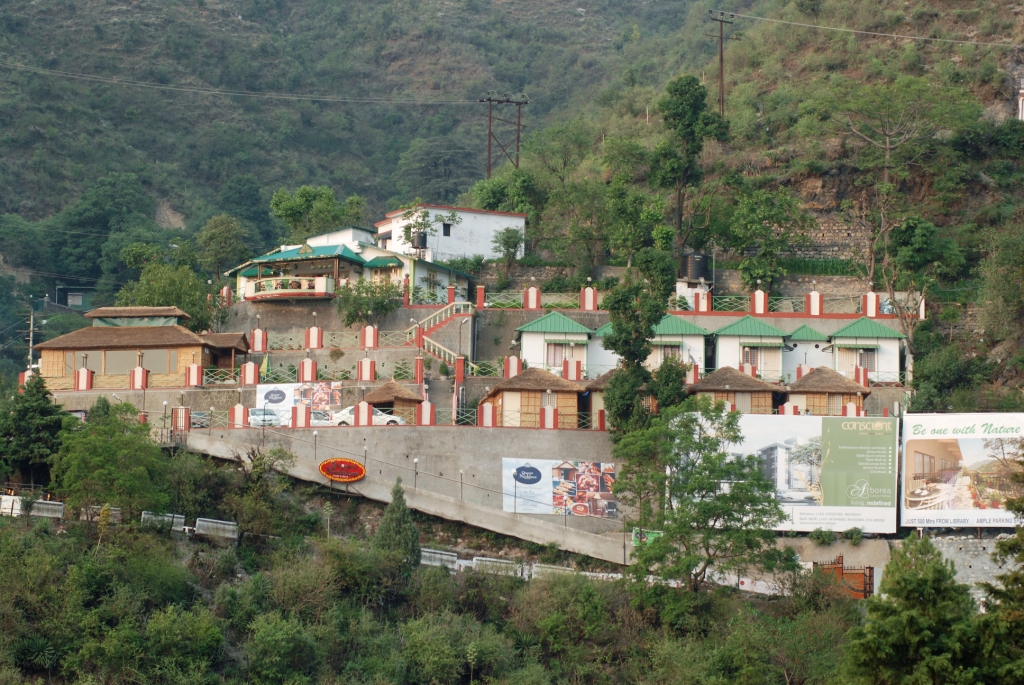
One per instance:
[(59, 135)]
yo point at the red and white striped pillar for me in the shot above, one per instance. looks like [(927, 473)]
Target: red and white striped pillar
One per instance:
[(599, 420), (815, 303), (181, 419), (692, 374), (485, 415), (249, 374), (549, 417), (802, 370), (193, 376), (418, 366), (513, 366), (531, 298), (307, 371), (588, 299), (226, 296), (426, 414), (258, 340), (83, 379), (451, 293), (405, 291), (301, 416), (314, 338), (572, 369), (759, 302), (702, 301), (363, 414), (460, 369), (481, 297), (138, 378), (369, 337), (366, 370), (417, 336), (238, 416)]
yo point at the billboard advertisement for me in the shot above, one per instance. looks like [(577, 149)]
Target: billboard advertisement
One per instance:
[(957, 469), (832, 472), (560, 488), (281, 397)]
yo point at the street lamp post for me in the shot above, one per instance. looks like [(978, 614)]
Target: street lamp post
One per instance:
[(461, 484), (415, 473), (315, 434), (163, 426)]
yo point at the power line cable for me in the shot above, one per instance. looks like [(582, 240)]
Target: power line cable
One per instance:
[(222, 92), (863, 33)]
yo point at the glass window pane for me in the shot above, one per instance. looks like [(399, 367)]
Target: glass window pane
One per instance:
[(155, 360), (121, 362)]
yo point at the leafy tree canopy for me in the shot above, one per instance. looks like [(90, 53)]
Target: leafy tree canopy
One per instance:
[(164, 285), (368, 302)]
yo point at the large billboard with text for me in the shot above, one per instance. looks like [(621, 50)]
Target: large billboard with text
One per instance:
[(281, 397), (829, 472), (559, 488), (958, 469)]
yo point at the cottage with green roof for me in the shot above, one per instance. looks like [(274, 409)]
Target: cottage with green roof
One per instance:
[(868, 344), (806, 347), (553, 339), (674, 338), (329, 261), (752, 342)]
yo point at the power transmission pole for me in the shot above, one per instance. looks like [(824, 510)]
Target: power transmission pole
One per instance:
[(504, 99), (722, 21)]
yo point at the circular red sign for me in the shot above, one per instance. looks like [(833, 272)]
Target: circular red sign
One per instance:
[(342, 470)]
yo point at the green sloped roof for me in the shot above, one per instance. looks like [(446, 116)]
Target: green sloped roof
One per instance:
[(748, 325), (807, 333), (322, 252), (676, 325), (669, 325), (555, 322), (866, 328), (383, 262)]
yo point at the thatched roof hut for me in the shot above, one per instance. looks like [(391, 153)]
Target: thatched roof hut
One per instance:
[(746, 393), (518, 400), (825, 392)]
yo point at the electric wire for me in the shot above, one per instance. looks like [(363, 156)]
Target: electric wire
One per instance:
[(863, 33)]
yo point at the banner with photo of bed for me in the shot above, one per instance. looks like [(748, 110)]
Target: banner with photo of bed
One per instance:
[(559, 488), (958, 469), (831, 472)]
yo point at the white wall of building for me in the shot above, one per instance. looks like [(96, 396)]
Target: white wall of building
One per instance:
[(534, 351), (600, 360), (471, 237), (887, 357), (806, 352)]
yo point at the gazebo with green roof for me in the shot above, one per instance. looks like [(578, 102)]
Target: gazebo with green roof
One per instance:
[(298, 272)]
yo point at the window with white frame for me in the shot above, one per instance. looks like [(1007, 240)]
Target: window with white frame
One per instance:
[(866, 359), (556, 353), (743, 402), (750, 355), (835, 404)]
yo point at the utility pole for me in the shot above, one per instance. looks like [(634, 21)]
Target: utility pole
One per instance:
[(32, 330), (492, 99), (722, 21)]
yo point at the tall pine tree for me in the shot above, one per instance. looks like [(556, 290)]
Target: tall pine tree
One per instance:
[(920, 628), (397, 533), (28, 432)]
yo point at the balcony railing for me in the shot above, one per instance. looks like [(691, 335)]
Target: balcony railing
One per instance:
[(336, 339), (286, 341), (289, 286), (560, 300), (843, 305), (220, 376)]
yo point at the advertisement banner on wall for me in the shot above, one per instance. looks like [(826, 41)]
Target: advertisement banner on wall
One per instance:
[(829, 472), (279, 398), (560, 488), (957, 469)]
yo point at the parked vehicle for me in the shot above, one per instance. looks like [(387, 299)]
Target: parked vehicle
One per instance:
[(321, 418), (200, 419), (347, 417), (263, 417)]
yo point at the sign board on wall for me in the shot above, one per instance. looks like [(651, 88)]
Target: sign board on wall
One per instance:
[(560, 488), (281, 397), (957, 469), (829, 472)]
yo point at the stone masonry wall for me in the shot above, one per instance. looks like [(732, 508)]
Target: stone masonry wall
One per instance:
[(728, 282)]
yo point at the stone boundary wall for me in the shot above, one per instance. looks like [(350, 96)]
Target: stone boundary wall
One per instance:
[(728, 282)]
